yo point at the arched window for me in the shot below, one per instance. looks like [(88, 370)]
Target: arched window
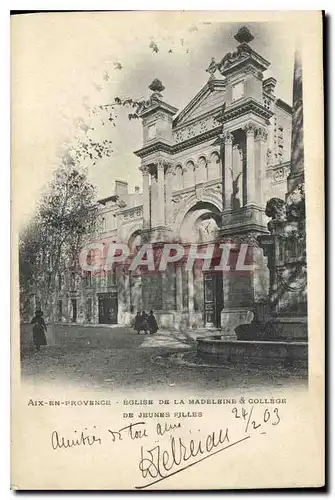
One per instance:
[(189, 175), (178, 178), (134, 241), (214, 167), (201, 170)]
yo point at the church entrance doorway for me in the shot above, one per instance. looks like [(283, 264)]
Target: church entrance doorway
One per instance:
[(108, 308), (213, 299)]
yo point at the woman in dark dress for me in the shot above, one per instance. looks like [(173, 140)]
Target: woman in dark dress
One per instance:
[(138, 323), (39, 329), (145, 324), (153, 327)]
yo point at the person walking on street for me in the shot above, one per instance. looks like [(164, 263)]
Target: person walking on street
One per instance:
[(39, 329), (145, 324), (138, 322), (153, 327)]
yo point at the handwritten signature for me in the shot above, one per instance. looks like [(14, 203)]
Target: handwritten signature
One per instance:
[(158, 462)]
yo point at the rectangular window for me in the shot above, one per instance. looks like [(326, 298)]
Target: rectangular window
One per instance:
[(111, 277), (88, 279)]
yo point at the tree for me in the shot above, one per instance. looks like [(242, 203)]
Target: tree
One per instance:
[(66, 217)]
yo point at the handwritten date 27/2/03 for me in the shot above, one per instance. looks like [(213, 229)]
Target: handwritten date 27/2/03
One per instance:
[(267, 416)]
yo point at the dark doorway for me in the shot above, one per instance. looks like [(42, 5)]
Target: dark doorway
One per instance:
[(89, 310), (60, 310), (108, 308), (213, 299), (74, 310)]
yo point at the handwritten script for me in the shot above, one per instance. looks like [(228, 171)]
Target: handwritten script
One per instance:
[(176, 453)]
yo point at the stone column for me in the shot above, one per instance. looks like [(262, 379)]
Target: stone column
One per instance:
[(146, 197), (168, 193), (127, 291), (160, 194), (228, 169), (251, 188), (154, 200), (260, 164), (237, 177), (190, 283), (179, 288)]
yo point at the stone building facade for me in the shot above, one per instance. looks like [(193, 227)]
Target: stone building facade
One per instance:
[(207, 173)]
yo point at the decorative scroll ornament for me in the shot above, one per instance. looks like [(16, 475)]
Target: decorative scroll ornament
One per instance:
[(294, 279), (250, 238), (279, 175)]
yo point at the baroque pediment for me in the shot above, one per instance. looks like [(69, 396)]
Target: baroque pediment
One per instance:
[(209, 98)]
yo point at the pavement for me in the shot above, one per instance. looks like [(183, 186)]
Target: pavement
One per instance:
[(117, 358)]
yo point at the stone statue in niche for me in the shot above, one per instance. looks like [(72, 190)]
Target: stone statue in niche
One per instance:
[(208, 229), (236, 204)]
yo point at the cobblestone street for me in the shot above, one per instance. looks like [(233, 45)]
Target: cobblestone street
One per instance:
[(118, 358)]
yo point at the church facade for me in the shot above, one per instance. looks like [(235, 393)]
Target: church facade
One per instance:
[(208, 171)]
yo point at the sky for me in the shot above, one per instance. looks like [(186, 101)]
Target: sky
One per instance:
[(58, 60)]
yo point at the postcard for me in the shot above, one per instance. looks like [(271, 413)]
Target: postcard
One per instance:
[(167, 250)]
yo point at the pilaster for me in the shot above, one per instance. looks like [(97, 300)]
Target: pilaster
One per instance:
[(251, 178), (146, 196), (260, 163), (228, 169)]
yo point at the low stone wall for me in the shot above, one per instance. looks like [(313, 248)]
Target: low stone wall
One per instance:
[(256, 352)]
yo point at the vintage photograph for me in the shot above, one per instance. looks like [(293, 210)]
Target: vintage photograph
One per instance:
[(167, 250), (165, 245)]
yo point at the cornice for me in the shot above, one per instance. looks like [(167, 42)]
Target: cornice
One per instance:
[(158, 105), (283, 105), (248, 105), (176, 148), (248, 56), (153, 148)]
